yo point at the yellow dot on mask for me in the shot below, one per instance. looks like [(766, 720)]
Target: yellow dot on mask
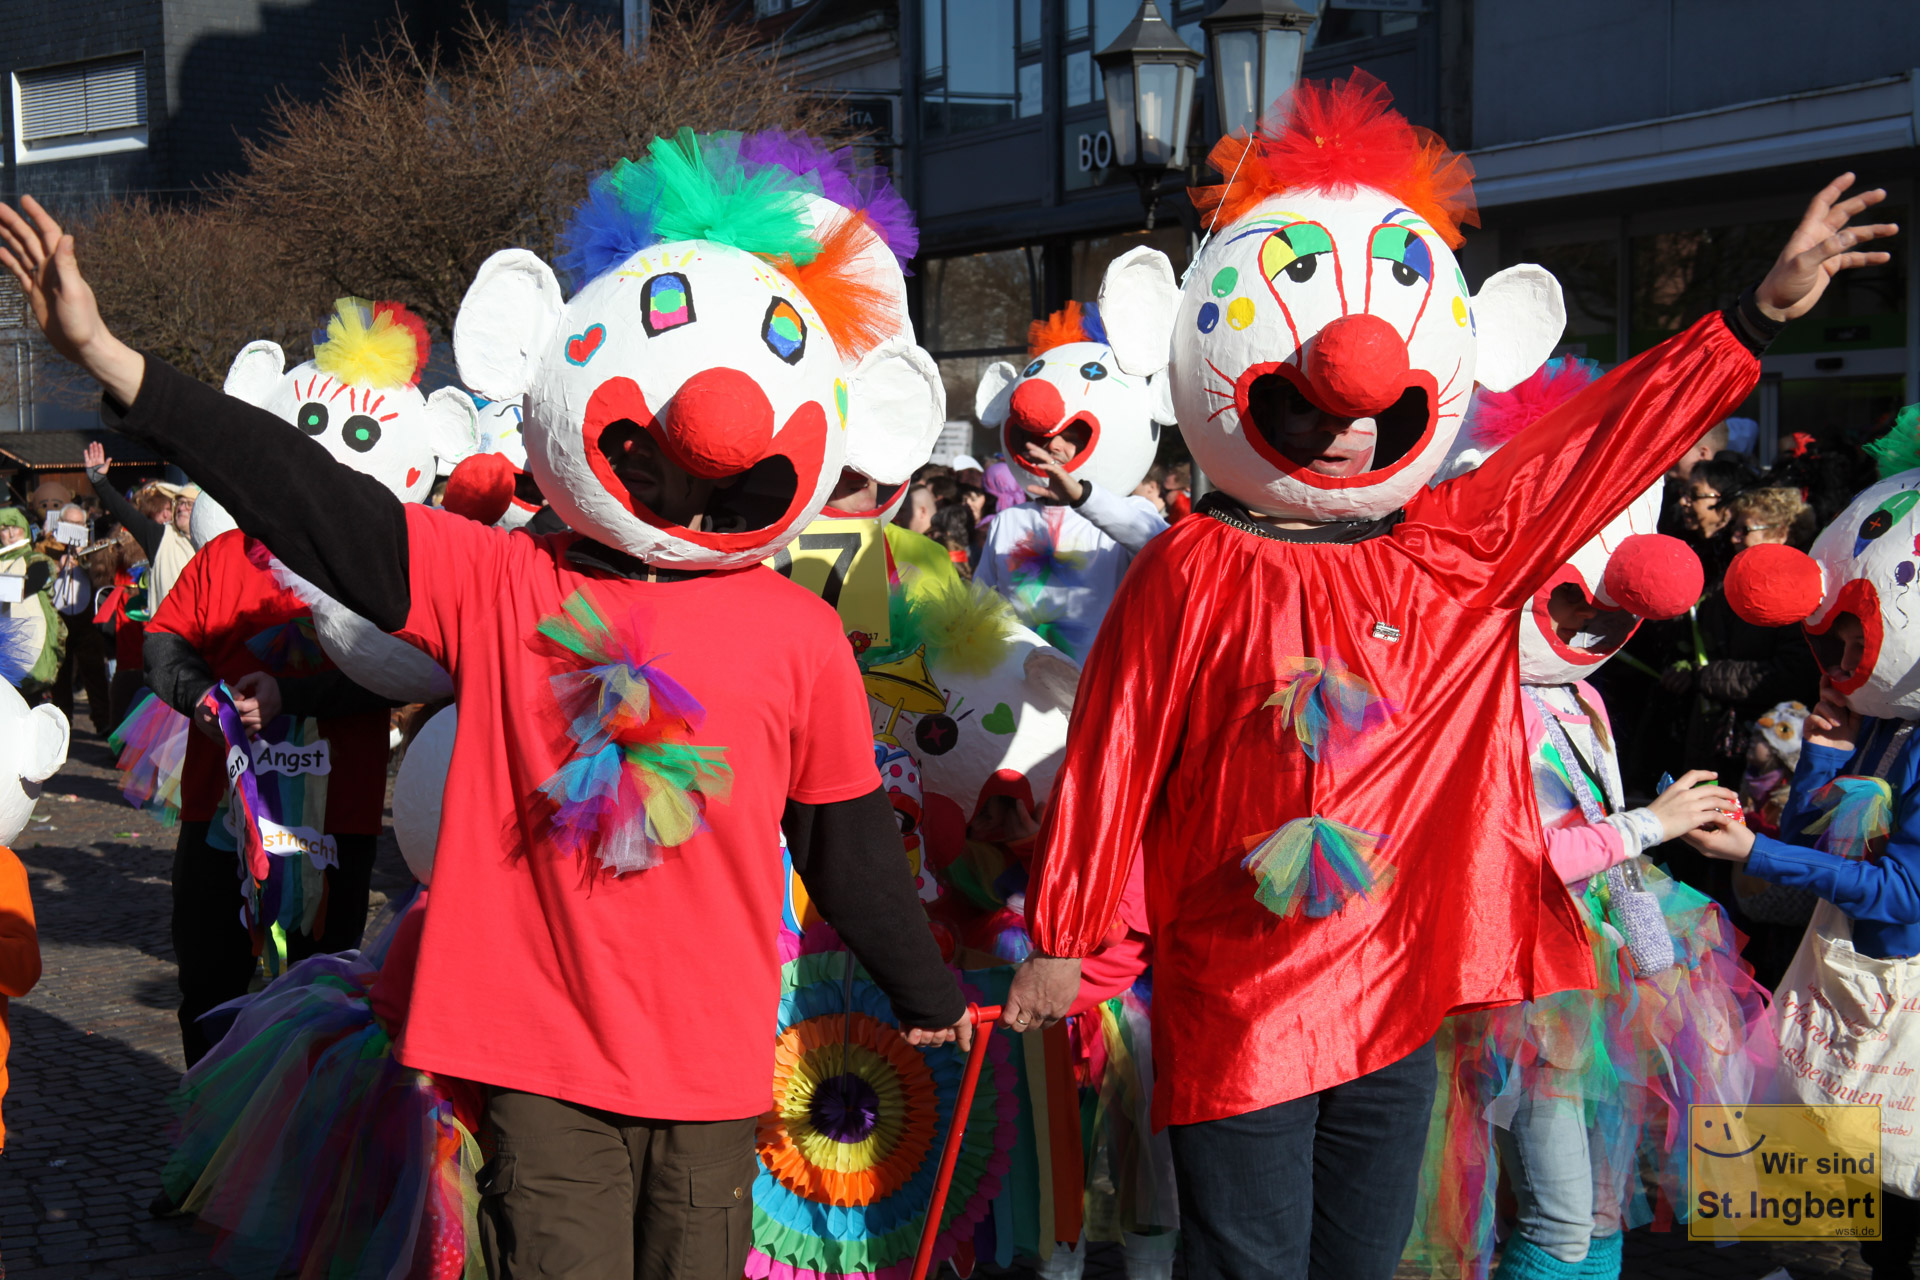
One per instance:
[(1460, 311), (1240, 312)]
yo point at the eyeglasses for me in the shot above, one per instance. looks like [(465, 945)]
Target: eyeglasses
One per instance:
[(1758, 528), (1691, 498)]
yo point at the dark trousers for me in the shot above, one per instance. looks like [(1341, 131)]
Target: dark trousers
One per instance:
[(211, 946), (1891, 1256), (1322, 1186), (85, 663), (590, 1195)]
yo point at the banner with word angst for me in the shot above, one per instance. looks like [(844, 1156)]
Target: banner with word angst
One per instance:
[(273, 818)]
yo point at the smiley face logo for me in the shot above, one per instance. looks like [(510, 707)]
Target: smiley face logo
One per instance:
[(1725, 1137)]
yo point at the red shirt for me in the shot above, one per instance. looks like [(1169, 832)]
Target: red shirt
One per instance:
[(1174, 742), (241, 621), (653, 993)]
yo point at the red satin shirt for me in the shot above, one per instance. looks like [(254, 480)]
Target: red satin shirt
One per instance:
[(1173, 750)]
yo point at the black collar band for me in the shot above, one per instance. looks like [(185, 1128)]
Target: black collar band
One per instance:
[(598, 557), (1230, 511)]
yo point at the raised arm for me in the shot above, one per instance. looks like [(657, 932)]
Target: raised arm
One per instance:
[(147, 532), (1132, 522), (340, 530), (1499, 532)]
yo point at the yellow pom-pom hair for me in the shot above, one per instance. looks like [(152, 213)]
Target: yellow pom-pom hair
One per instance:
[(372, 344), (967, 628)]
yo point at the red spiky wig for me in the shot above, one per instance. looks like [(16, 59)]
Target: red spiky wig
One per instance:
[(849, 304), (1065, 325), (1334, 137)]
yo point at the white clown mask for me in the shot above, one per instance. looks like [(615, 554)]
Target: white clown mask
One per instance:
[(1864, 565), (1072, 389), (689, 404), (1326, 343), (33, 740), (359, 398)]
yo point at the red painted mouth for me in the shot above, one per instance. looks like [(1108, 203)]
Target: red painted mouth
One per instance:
[(1610, 628), (1083, 428), (1267, 394), (1858, 598), (623, 439)]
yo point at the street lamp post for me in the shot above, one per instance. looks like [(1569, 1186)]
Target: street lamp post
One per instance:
[(1148, 72), (1257, 47)]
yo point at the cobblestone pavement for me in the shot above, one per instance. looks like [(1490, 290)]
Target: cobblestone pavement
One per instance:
[(96, 1055)]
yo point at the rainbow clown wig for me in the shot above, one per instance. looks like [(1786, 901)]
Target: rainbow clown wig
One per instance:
[(737, 301)]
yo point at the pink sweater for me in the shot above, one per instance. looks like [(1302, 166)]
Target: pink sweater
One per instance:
[(1576, 848)]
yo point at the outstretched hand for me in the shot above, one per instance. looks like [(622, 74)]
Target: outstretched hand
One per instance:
[(40, 256), (1822, 246), (94, 458)]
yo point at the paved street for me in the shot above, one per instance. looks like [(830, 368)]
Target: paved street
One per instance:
[(96, 1056)]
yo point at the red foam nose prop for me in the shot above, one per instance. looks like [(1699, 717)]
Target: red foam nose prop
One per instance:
[(1772, 585), (1037, 406), (480, 488), (1358, 365), (718, 423), (1654, 576)]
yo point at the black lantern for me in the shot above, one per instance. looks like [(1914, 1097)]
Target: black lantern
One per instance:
[(1257, 47), (1149, 71)]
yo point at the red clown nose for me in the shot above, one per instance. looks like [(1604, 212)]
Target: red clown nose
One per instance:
[(1358, 366), (718, 424), (481, 487), (1654, 576), (1772, 585), (1037, 407)]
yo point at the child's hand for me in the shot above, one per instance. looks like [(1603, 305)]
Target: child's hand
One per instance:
[(1683, 807), (1832, 723), (1727, 840)]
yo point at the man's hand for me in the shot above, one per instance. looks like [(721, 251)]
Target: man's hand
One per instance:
[(207, 722), (1043, 991), (1822, 246), (1832, 723), (1684, 806), (94, 458), (961, 1032), (40, 256), (1727, 840), (1060, 482), (1677, 680), (257, 699)]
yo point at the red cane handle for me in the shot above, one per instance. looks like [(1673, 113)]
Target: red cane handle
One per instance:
[(984, 1018)]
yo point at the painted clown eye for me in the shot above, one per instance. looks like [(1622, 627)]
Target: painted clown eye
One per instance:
[(784, 332), (1093, 371), (1295, 250), (1033, 368), (669, 303), (360, 432), (1412, 260), (312, 418), (1884, 517)]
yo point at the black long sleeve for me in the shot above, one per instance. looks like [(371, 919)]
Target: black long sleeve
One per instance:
[(331, 693), (145, 530), (176, 672), (338, 529), (849, 857)]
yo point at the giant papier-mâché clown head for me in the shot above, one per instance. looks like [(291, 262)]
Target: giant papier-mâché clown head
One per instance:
[(736, 340), (359, 396), (33, 739), (1627, 573), (1072, 389), (1863, 566), (1327, 301)]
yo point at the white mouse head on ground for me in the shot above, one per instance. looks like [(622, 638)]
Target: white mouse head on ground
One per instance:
[(33, 740)]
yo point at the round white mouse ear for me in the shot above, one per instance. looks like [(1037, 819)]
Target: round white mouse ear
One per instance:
[(419, 789)]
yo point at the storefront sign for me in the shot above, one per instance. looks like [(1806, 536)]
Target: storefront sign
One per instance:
[(1089, 155), (871, 116)]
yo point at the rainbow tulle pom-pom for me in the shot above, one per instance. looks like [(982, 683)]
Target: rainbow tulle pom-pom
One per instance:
[(1316, 863), (152, 742), (1325, 704), (1859, 811), (635, 787)]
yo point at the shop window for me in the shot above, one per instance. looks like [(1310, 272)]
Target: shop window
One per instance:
[(1589, 276), (1338, 25), (969, 53), (976, 310)]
